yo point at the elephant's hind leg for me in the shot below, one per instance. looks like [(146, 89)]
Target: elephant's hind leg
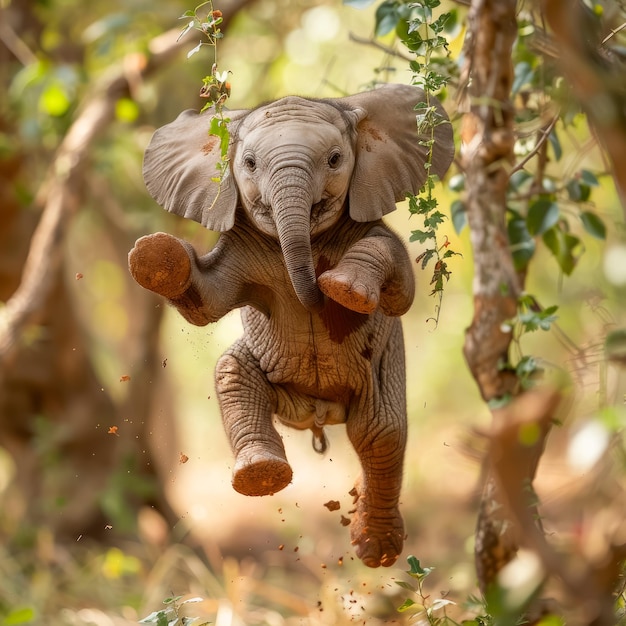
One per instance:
[(247, 402), (378, 433)]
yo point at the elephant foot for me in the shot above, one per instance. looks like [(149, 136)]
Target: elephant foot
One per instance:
[(377, 534), (345, 286), (161, 263), (261, 475)]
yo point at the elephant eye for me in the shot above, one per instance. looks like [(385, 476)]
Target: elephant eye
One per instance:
[(249, 162), (334, 159)]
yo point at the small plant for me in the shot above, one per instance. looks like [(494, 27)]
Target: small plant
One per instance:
[(423, 607), (215, 87), (170, 615), (531, 316)]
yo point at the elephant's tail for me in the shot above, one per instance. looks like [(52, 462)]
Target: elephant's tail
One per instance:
[(319, 441)]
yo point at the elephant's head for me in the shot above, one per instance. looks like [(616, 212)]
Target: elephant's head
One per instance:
[(294, 163)]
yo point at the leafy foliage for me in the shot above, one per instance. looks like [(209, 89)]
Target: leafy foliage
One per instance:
[(170, 615), (215, 87), (423, 37)]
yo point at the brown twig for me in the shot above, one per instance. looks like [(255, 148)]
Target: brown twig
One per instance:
[(376, 44), (544, 133)]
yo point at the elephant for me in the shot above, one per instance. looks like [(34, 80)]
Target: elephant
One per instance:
[(320, 279)]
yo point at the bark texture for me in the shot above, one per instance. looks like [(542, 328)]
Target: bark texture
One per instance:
[(487, 154)]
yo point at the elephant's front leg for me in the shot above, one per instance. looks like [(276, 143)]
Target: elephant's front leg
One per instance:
[(170, 267), (375, 271), (247, 402), (378, 433)]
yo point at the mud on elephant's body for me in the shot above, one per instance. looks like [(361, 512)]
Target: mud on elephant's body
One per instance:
[(320, 279)]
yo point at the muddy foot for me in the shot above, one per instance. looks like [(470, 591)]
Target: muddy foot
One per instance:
[(261, 475), (377, 534), (345, 286), (161, 263)]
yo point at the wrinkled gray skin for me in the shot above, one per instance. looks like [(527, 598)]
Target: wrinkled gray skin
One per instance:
[(320, 279)]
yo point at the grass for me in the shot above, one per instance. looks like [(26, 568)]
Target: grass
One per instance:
[(117, 586)]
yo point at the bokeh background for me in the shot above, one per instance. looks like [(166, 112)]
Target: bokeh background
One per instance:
[(114, 469)]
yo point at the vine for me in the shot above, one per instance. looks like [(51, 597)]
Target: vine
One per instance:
[(431, 71), (215, 87)]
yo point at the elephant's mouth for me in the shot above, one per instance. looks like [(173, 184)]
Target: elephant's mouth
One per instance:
[(324, 214)]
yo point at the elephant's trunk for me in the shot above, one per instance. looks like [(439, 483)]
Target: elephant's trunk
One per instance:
[(291, 205)]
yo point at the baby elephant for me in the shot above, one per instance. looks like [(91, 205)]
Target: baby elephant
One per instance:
[(320, 280)]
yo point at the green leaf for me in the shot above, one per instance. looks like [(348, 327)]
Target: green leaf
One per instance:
[(615, 346), (458, 213), (219, 128), (593, 225), (434, 219), (523, 75), (23, 615), (518, 178), (589, 178), (425, 257), (564, 247), (163, 620), (421, 235), (449, 253), (535, 320), (500, 401), (526, 367), (542, 215), (574, 190), (156, 617), (406, 605), (553, 138), (522, 244), (419, 205), (417, 571), (405, 585), (387, 16)]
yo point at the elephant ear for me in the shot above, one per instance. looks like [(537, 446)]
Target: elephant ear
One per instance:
[(180, 163), (389, 156)]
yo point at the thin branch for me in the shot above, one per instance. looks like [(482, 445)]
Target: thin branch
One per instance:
[(13, 42), (545, 134), (614, 32), (376, 44)]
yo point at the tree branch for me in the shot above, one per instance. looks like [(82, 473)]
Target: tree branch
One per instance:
[(60, 193), (487, 154)]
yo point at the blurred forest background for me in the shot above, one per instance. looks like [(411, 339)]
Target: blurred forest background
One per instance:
[(114, 470)]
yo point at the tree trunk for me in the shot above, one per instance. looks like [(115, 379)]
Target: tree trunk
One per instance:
[(487, 154)]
